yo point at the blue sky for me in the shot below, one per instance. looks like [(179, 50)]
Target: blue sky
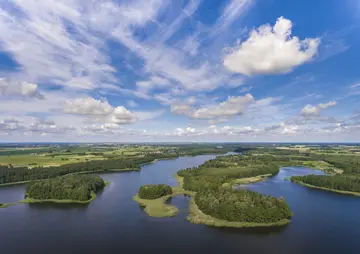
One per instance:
[(161, 70)]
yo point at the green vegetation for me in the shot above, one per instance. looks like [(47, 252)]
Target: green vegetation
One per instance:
[(157, 207), (36, 163), (242, 206), (228, 169), (341, 184), (196, 216), (154, 191), (70, 188), (9, 174), (215, 202)]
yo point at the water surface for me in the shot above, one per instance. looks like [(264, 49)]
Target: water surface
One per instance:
[(323, 222)]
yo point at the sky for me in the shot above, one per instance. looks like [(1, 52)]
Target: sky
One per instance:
[(180, 70)]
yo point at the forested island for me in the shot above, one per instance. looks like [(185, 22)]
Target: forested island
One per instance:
[(153, 197), (215, 201), (64, 189), (242, 206)]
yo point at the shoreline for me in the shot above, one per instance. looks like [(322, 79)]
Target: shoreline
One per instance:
[(28, 200), (75, 173), (196, 216), (58, 201), (349, 193), (157, 208), (108, 170), (246, 180)]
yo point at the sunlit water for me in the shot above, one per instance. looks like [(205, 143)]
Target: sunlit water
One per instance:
[(323, 222)]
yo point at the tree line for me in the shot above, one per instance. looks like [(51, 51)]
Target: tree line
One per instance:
[(10, 174), (336, 182), (71, 187), (154, 191)]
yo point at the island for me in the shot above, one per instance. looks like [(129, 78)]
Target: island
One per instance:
[(64, 189), (153, 198), (214, 201)]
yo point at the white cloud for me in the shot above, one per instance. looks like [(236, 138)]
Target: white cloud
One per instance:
[(40, 41), (355, 86), (327, 105), (290, 129), (233, 106), (271, 50), (101, 110), (310, 110), (121, 115), (153, 82), (14, 88), (231, 12), (185, 131), (88, 106)]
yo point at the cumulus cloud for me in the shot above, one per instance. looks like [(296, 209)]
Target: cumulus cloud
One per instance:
[(14, 88), (101, 110), (121, 115), (88, 106), (310, 110), (233, 106), (271, 50), (185, 131)]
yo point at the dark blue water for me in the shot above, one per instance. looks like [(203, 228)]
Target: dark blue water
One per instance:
[(323, 222)]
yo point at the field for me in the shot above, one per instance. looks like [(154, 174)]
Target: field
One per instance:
[(57, 155), (46, 157)]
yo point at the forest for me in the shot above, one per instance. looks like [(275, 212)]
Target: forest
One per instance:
[(223, 169), (242, 206), (221, 202), (70, 187), (10, 174), (336, 182), (349, 163), (154, 191), (109, 162)]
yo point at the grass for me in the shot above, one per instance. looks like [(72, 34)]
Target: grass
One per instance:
[(46, 161), (328, 189), (196, 216), (247, 180), (158, 208)]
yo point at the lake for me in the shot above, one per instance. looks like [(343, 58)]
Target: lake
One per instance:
[(323, 222)]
